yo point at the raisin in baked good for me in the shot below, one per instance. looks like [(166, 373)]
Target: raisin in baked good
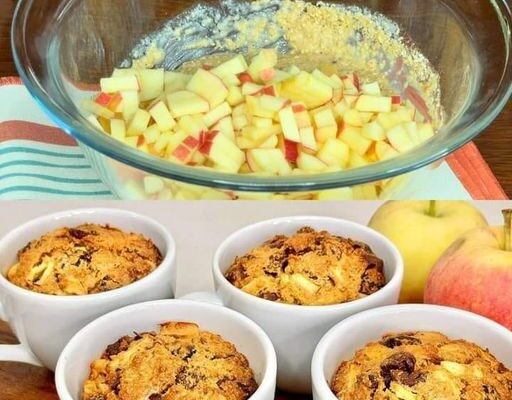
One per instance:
[(84, 260), (308, 268), (179, 362), (422, 366)]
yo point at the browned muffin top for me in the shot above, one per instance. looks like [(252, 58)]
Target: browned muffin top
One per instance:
[(179, 362), (84, 260), (422, 366), (308, 268)]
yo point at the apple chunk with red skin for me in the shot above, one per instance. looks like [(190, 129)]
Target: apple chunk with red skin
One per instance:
[(475, 274)]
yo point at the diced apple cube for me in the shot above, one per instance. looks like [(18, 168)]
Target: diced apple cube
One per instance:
[(186, 103), (162, 142), (324, 118), (217, 114), (373, 131), (270, 160), (240, 121), (325, 79), (272, 103), (162, 116), (255, 108), (388, 120), (175, 81), (425, 132), (353, 137), (234, 66), (153, 184), (372, 89), (262, 122), (365, 192), (97, 109), (256, 134), (235, 96), (309, 163), (193, 126), (250, 88), (271, 143), (118, 84), (307, 89), (151, 83), (209, 87), (130, 103), (118, 129), (225, 126), (353, 118), (290, 128), (357, 161), (139, 123), (307, 138), (266, 59), (224, 152), (399, 139), (340, 109), (334, 152), (151, 134), (325, 133), (302, 118), (335, 194), (280, 76)]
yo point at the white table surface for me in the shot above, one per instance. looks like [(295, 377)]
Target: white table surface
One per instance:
[(199, 227)]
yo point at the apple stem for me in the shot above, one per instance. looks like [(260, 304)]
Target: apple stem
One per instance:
[(432, 208), (507, 215)]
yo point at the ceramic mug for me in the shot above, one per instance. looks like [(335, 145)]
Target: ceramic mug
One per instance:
[(295, 330), (343, 340), (44, 323), (89, 344)]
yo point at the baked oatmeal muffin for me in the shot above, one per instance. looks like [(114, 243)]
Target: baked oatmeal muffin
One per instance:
[(180, 362), (308, 268), (422, 366), (84, 260)]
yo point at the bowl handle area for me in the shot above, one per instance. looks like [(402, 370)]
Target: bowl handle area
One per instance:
[(16, 352), (204, 297)]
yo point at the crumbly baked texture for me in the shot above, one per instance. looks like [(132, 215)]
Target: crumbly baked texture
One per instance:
[(84, 260), (422, 366), (181, 362), (308, 268)]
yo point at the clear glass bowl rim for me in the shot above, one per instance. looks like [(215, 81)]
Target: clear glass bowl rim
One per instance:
[(78, 127)]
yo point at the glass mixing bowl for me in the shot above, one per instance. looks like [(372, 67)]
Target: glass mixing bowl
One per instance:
[(63, 47)]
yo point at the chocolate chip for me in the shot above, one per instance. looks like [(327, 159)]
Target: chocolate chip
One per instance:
[(190, 353), (77, 233), (249, 388), (410, 379), (187, 378), (116, 385), (399, 340), (374, 382), (155, 396), (117, 347), (371, 281), (276, 242), (402, 361), (490, 392), (271, 296), (236, 273)]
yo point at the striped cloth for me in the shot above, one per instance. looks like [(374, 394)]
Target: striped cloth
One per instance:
[(39, 161)]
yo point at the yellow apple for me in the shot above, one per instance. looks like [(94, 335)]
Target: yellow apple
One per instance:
[(422, 231)]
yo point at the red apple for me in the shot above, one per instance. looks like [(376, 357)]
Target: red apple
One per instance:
[(475, 274)]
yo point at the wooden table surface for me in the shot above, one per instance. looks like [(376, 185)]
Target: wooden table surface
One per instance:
[(18, 381)]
